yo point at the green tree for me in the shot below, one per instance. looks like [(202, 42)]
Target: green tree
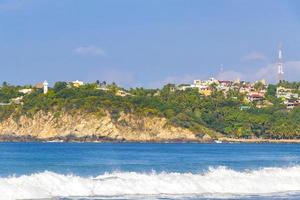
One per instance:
[(60, 85)]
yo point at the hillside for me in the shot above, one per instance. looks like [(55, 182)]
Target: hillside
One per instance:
[(89, 127), (93, 112)]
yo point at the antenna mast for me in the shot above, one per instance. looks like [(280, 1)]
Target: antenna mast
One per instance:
[(280, 65)]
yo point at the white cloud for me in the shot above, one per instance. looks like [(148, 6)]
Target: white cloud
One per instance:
[(89, 50), (230, 75), (291, 71), (269, 73), (254, 56)]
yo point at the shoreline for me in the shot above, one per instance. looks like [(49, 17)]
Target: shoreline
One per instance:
[(111, 140), (258, 140)]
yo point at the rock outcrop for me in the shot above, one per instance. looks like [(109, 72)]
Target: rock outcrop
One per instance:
[(128, 127)]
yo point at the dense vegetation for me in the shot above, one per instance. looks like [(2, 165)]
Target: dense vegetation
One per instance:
[(187, 109)]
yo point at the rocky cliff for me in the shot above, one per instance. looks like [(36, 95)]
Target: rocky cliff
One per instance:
[(90, 127)]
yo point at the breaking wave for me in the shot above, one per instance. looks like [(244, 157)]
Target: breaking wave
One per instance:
[(215, 181)]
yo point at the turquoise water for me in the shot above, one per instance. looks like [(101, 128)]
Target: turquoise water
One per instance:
[(149, 171)]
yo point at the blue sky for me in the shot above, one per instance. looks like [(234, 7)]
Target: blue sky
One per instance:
[(147, 43)]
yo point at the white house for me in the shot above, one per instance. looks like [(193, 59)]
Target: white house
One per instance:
[(286, 93), (184, 87), (77, 83), (123, 93), (26, 90), (211, 81)]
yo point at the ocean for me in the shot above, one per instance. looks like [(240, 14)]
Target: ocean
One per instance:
[(63, 171)]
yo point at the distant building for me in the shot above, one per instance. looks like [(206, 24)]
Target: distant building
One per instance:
[(198, 82), (77, 83), (205, 91), (26, 90), (212, 81), (45, 87), (255, 97), (17, 100), (262, 81), (157, 93), (39, 86), (224, 85), (290, 104), (172, 89), (245, 89), (123, 93), (286, 93), (102, 86), (184, 87)]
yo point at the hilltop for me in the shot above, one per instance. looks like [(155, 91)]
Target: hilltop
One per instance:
[(202, 111)]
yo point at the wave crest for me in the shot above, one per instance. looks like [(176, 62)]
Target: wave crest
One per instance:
[(219, 180)]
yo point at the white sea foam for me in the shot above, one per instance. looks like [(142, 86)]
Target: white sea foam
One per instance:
[(216, 181)]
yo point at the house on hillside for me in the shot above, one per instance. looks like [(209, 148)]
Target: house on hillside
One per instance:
[(291, 104), (184, 87), (77, 83), (224, 86), (204, 86), (123, 93), (43, 86), (39, 86), (172, 89), (255, 97), (286, 93), (225, 83), (211, 81), (245, 89), (206, 91), (17, 100), (102, 86), (26, 90)]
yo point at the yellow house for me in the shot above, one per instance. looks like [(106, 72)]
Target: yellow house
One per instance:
[(205, 92)]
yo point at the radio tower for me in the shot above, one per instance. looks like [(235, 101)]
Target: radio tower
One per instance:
[(280, 66)]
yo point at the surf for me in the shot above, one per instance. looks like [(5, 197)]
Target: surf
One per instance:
[(217, 182)]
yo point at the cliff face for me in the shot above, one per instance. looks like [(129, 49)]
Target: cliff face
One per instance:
[(127, 127)]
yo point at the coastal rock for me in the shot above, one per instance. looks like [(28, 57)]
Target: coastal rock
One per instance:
[(128, 127), (207, 137)]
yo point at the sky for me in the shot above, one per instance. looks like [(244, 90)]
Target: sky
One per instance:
[(147, 43)]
